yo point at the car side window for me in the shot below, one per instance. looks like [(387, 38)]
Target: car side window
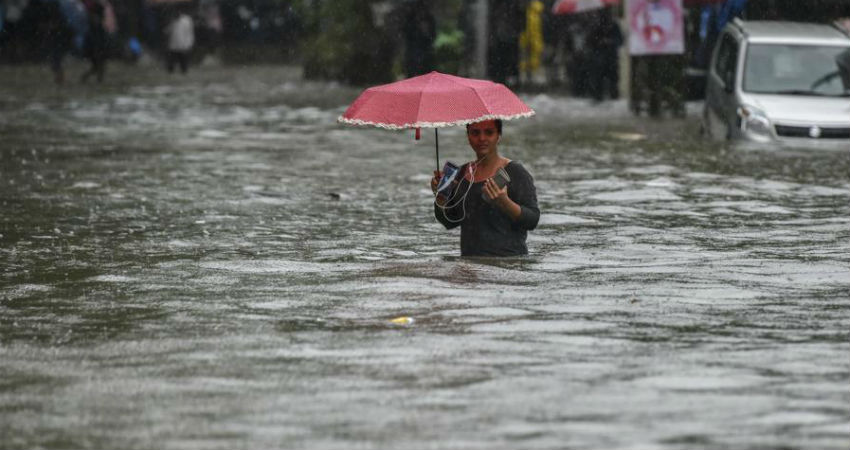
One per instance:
[(727, 60)]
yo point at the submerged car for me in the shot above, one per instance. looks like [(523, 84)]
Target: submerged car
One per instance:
[(779, 82)]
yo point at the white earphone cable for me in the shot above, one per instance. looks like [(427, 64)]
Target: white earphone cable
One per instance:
[(462, 200)]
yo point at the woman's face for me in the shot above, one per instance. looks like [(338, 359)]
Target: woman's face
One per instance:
[(483, 138)]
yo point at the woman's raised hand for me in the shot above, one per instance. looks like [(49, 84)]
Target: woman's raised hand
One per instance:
[(493, 192), (436, 180)]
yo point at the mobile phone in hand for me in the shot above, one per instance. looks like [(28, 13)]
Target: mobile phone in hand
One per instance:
[(446, 186), (501, 178)]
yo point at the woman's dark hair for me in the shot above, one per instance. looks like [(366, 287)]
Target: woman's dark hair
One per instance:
[(498, 125)]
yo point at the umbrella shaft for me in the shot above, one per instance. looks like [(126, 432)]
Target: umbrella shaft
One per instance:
[(437, 144)]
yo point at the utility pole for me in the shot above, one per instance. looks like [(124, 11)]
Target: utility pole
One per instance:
[(481, 13)]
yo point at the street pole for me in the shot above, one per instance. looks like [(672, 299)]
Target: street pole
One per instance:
[(481, 13)]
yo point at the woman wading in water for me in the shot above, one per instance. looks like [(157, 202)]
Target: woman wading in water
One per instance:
[(493, 220)]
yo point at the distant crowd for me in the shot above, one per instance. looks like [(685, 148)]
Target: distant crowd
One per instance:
[(527, 44), (92, 30), (174, 33)]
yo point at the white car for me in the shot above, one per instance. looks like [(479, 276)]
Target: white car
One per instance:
[(779, 82)]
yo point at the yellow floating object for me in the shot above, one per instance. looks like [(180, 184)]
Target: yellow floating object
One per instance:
[(403, 320)]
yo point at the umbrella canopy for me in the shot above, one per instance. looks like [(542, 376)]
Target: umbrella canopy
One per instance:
[(434, 100), (575, 6)]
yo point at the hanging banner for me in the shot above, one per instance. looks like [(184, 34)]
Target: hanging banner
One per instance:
[(656, 27)]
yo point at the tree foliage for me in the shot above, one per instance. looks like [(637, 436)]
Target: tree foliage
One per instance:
[(343, 42)]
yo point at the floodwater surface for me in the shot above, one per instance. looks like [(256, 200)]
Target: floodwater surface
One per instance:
[(212, 262)]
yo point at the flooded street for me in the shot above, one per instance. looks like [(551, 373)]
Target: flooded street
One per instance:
[(212, 262)]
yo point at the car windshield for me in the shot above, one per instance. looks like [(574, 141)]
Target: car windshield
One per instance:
[(797, 70)]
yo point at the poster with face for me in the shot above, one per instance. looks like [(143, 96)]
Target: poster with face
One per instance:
[(656, 27)]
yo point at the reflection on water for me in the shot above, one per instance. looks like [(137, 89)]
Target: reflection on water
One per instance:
[(205, 263)]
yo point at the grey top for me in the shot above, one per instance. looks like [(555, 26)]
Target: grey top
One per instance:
[(485, 230)]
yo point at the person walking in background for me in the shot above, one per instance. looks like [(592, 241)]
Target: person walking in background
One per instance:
[(577, 57), (209, 29), (181, 39), (420, 31), (59, 37), (555, 47), (531, 40), (94, 44), (506, 19), (604, 41)]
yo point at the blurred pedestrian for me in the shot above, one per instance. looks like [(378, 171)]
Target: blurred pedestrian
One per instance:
[(181, 39), (658, 85), (94, 44), (210, 27), (604, 41), (59, 40), (420, 31), (553, 46), (578, 58), (531, 40), (506, 22)]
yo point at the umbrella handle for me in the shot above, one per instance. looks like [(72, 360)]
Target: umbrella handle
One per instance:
[(437, 146)]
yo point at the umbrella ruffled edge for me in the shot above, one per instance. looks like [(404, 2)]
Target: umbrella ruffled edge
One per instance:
[(391, 126)]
